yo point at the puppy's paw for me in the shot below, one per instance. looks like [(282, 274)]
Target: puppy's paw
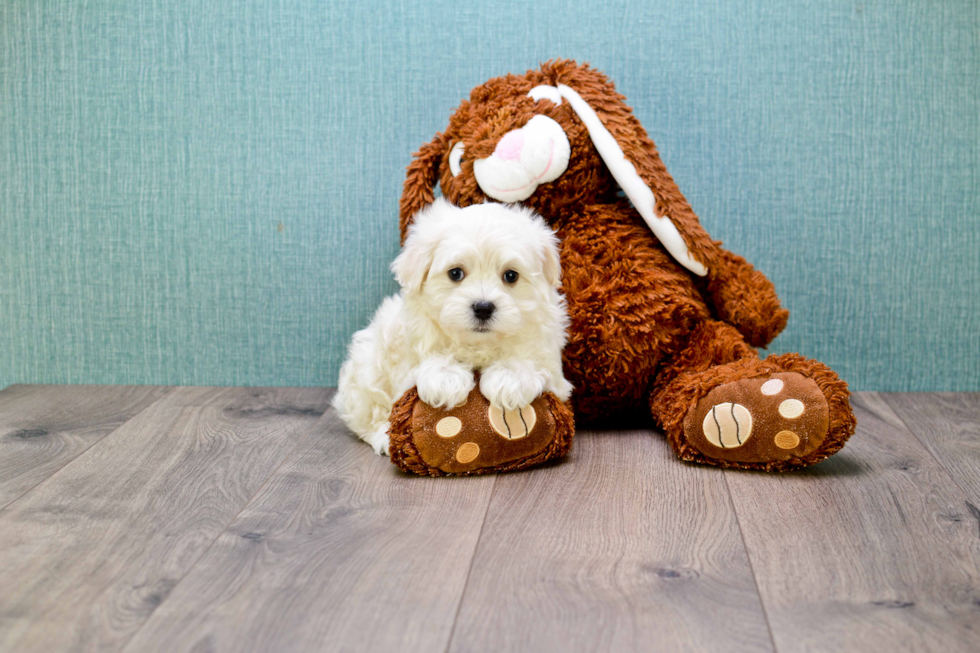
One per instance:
[(512, 384), (561, 388), (443, 383), (379, 440)]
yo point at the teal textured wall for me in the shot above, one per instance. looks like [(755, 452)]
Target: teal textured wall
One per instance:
[(206, 192)]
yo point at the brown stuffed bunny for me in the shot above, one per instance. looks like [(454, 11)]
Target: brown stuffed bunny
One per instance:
[(662, 318)]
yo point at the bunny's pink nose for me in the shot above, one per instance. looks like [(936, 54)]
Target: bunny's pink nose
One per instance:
[(510, 146)]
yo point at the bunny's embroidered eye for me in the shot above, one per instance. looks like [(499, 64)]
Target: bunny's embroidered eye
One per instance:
[(457, 274), (510, 277), (456, 158)]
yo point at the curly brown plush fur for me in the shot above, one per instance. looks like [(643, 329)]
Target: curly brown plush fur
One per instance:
[(645, 332)]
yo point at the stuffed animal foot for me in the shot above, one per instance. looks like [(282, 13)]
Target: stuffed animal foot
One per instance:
[(475, 437), (774, 418), (783, 413)]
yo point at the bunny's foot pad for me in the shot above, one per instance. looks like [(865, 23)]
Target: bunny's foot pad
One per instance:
[(779, 418), (476, 438)]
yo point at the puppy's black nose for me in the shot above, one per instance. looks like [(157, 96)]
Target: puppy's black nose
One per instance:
[(483, 310)]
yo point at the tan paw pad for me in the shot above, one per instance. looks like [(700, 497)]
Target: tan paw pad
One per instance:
[(786, 440), (468, 452), (772, 387), (512, 424), (791, 408), (447, 427), (727, 425)]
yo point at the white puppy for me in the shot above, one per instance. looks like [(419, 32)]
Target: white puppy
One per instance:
[(479, 293)]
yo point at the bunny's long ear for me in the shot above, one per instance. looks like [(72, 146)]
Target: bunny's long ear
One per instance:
[(633, 160), (420, 181)]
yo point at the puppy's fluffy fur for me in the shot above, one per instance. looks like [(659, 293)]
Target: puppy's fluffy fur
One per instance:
[(436, 332)]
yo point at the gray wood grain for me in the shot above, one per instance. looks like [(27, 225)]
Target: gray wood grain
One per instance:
[(948, 425), (340, 551), (244, 520), (89, 554), (623, 548), (874, 549), (44, 427)]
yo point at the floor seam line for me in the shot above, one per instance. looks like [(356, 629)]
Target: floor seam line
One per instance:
[(87, 449), (469, 570), (967, 493), (225, 527), (748, 558)]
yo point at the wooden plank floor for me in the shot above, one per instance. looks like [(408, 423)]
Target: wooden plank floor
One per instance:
[(246, 519)]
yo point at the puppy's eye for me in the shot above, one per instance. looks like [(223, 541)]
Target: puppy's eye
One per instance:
[(456, 158), (510, 276), (457, 274)]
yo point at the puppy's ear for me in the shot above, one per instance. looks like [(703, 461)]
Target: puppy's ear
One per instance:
[(412, 266), (549, 250), (632, 158), (552, 261), (420, 181)]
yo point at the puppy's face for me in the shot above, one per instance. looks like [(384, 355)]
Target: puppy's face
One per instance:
[(479, 273)]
